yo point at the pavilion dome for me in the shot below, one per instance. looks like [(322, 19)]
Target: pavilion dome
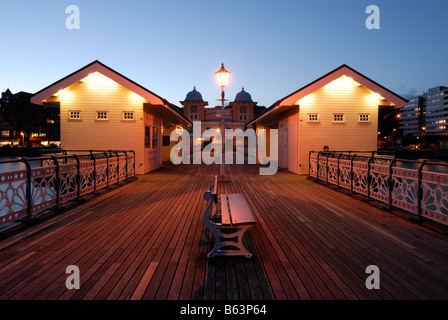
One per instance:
[(194, 96), (243, 96)]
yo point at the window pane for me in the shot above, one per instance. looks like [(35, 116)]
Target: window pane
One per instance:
[(155, 140), (313, 117), (101, 115), (147, 138), (338, 117)]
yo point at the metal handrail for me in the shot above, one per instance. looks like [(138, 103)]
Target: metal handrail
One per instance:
[(48, 187), (406, 179)]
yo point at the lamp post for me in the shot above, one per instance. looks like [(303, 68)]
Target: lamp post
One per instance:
[(223, 77), (424, 133)]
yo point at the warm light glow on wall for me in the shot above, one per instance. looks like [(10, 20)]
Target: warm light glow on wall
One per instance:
[(64, 94), (62, 91), (179, 129), (135, 98), (378, 96), (306, 100), (342, 83), (96, 80), (90, 76)]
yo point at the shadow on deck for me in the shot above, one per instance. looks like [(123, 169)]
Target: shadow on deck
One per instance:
[(146, 240)]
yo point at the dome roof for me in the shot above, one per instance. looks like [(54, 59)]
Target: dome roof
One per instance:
[(243, 96), (194, 96)]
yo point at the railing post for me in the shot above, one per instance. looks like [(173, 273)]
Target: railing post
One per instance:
[(309, 163), (326, 169), (94, 171), (420, 189), (107, 168), (133, 152), (392, 163), (126, 167), (339, 169), (351, 171), (369, 178), (57, 181), (317, 166), (78, 178), (28, 188), (118, 167)]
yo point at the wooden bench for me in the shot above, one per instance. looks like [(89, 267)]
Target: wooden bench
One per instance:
[(228, 223)]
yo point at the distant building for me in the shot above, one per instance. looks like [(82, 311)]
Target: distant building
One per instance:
[(103, 110), (26, 124), (239, 111), (339, 110), (412, 116), (437, 111), (426, 114)]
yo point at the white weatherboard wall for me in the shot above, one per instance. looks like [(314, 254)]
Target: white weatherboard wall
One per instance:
[(102, 94), (339, 96)]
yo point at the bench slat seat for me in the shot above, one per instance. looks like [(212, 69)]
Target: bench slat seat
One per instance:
[(235, 219), (241, 213)]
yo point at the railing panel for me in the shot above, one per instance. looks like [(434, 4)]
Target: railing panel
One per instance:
[(379, 182), (435, 196), (13, 200), (87, 180), (313, 165), (122, 169), (405, 189), (113, 170), (332, 171), (345, 174), (360, 177), (68, 186), (131, 166), (322, 168), (43, 188), (101, 173)]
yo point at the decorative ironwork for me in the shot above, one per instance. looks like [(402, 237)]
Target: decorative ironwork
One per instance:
[(434, 196), (418, 192), (58, 179), (13, 200), (405, 189)]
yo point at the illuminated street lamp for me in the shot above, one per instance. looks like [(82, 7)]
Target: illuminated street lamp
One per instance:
[(223, 77), (424, 134)]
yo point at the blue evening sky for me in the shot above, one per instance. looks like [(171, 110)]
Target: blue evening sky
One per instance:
[(271, 47)]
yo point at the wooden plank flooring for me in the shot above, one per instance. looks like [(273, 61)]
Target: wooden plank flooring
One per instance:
[(146, 240)]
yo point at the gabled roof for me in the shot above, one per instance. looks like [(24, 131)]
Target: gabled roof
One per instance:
[(343, 70), (97, 66)]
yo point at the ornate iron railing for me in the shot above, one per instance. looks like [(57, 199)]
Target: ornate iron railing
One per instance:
[(417, 187), (37, 184)]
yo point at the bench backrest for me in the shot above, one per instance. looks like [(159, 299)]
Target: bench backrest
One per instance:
[(214, 188), (211, 195)]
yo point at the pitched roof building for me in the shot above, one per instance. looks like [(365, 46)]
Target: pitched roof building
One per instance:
[(103, 110), (339, 110)]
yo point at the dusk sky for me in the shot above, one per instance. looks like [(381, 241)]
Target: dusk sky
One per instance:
[(272, 48)]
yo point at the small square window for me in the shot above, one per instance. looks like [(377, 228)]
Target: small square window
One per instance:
[(102, 115), (74, 115), (194, 109), (128, 115), (313, 117), (338, 117), (364, 117)]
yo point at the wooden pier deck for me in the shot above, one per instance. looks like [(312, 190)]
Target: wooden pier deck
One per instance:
[(146, 240)]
